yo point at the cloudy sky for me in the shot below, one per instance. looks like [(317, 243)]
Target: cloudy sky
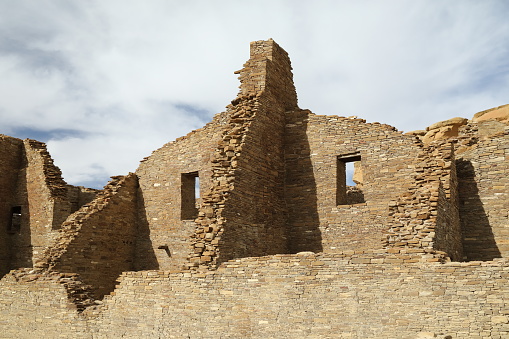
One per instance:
[(105, 82)]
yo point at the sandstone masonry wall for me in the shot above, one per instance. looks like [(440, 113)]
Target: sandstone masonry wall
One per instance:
[(98, 241), (161, 221), (38, 308), (244, 212), (256, 210), (268, 70), (210, 221), (342, 295), (483, 167), (45, 193), (44, 200), (318, 296), (426, 215), (303, 223), (10, 162), (314, 143), (271, 180)]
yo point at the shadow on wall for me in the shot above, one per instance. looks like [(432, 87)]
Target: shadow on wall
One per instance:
[(478, 239), (144, 256), (303, 223), (20, 231)]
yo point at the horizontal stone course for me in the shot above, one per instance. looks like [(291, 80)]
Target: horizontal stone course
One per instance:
[(250, 228)]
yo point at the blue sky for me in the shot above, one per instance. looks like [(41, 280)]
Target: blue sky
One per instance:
[(106, 82)]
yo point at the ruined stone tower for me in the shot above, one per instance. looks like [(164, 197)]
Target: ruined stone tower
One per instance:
[(252, 227)]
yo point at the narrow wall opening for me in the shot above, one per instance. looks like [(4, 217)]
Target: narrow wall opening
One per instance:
[(348, 187), (190, 193), (197, 189), (15, 224)]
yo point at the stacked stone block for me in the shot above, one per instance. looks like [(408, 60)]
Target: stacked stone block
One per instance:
[(341, 295), (10, 161), (211, 221), (43, 197), (33, 186), (244, 212), (314, 145), (40, 307), (426, 216), (148, 258), (483, 167), (164, 237), (98, 241)]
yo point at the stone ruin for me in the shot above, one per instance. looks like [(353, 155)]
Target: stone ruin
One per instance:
[(252, 227)]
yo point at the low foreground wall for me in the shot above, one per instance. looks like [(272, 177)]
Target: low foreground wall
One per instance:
[(38, 309), (285, 296)]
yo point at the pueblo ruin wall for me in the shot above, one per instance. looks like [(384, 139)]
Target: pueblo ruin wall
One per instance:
[(251, 227)]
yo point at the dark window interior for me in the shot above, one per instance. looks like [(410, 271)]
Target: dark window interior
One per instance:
[(189, 194), (15, 225)]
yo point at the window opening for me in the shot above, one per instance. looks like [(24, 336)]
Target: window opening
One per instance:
[(190, 193), (197, 188), (348, 191), (15, 226), (350, 168)]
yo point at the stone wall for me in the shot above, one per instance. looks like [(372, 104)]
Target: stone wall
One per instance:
[(483, 165), (426, 215), (256, 210), (303, 223), (45, 196), (315, 296), (272, 181), (10, 162), (98, 241), (342, 295), (38, 308), (448, 232), (315, 145), (164, 236), (210, 221), (208, 243), (41, 196), (244, 212), (268, 71), (37, 188)]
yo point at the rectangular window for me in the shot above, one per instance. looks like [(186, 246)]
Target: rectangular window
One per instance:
[(348, 192), (190, 188), (15, 226)]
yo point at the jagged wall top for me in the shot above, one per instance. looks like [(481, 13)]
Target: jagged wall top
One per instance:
[(268, 70)]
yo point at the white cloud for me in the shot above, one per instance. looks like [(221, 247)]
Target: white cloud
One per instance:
[(132, 75)]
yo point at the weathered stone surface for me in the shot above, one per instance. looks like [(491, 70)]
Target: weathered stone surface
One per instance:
[(97, 242), (443, 130), (280, 296), (420, 132), (450, 122), (500, 113), (198, 242), (33, 185), (357, 174)]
